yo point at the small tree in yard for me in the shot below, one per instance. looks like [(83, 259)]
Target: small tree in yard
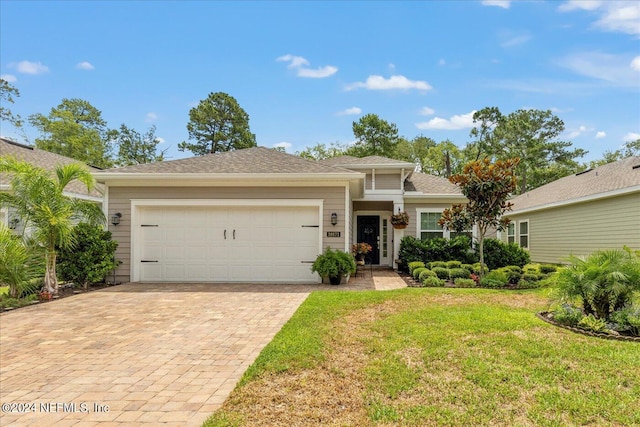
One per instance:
[(39, 199), (487, 187), (89, 258)]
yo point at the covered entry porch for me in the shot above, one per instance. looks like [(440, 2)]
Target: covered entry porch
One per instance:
[(372, 225)]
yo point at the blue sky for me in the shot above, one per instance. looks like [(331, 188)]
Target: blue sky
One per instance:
[(304, 71)]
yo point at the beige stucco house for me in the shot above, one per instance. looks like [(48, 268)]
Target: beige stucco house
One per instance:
[(44, 160), (260, 215), (578, 214)]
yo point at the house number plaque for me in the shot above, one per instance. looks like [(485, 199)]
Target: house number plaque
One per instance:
[(333, 234)]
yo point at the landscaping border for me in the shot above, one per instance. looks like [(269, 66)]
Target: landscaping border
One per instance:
[(543, 316)]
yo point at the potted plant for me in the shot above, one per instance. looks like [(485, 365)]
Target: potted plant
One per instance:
[(334, 265), (359, 250), (400, 220)]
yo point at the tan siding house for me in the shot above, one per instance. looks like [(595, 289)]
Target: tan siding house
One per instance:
[(47, 161), (579, 214), (259, 215)]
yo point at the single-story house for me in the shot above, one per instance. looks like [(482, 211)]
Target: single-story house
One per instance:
[(595, 209), (260, 215), (44, 160)]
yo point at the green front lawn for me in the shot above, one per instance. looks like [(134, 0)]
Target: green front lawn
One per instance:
[(434, 357)]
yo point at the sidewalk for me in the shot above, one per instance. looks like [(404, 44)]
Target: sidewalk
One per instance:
[(379, 279)]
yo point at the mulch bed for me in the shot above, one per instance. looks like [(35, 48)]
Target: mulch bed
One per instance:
[(64, 291), (547, 317)]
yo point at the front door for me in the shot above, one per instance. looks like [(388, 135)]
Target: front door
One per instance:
[(369, 232)]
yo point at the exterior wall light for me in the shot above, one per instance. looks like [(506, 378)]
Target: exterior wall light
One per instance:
[(334, 218), (115, 218)]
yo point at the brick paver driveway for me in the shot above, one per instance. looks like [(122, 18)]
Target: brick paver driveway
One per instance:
[(134, 353)]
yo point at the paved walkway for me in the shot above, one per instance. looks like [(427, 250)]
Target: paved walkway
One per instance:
[(142, 353)]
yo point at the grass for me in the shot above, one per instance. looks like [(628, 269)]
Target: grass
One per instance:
[(422, 357)]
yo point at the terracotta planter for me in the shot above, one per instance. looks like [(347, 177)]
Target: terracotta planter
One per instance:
[(399, 226)]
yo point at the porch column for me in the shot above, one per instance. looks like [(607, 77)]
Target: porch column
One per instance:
[(397, 234)]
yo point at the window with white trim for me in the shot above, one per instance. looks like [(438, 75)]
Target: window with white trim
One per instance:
[(511, 233), (428, 227), (523, 234)]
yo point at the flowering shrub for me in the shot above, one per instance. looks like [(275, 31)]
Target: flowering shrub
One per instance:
[(401, 218), (361, 248)]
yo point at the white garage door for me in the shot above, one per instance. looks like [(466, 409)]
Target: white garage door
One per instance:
[(228, 244)]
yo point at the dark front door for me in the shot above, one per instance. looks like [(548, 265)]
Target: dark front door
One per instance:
[(369, 232)]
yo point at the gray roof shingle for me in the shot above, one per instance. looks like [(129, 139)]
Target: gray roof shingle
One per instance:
[(430, 184), (254, 160), (610, 177), (44, 160), (346, 161)]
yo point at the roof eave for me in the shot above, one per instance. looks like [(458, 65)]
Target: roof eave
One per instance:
[(378, 166), (421, 195), (173, 179), (589, 198)]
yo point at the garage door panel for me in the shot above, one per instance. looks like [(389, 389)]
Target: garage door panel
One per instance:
[(174, 253), (151, 272), (189, 243)]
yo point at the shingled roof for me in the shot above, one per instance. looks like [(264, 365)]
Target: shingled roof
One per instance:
[(254, 160), (45, 160), (620, 175), (430, 184), (346, 161)]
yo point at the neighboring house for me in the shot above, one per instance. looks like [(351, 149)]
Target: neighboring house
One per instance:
[(578, 214), (260, 215), (47, 161)]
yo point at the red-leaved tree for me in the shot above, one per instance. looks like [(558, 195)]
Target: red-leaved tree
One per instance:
[(487, 187)]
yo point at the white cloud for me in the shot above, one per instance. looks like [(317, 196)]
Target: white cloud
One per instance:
[(298, 63), (601, 134), (350, 111), (160, 140), (560, 110), (294, 61), (28, 67), (515, 40), (8, 77), (84, 65), (577, 132), (579, 4), (462, 121), (505, 4), (392, 67), (283, 144), (393, 82), (614, 69), (635, 63), (631, 136), (151, 117), (318, 73), (614, 15), (442, 62), (426, 111)]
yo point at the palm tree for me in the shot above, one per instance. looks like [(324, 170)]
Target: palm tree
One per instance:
[(604, 282), (17, 263), (39, 200)]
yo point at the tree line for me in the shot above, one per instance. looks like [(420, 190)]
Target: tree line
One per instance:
[(528, 134), (218, 123)]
